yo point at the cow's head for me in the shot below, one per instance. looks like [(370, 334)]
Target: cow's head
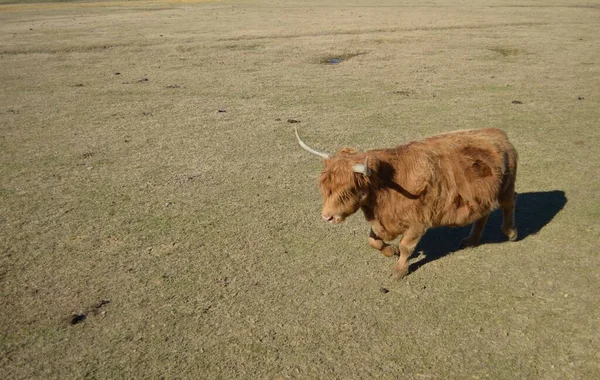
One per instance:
[(345, 181)]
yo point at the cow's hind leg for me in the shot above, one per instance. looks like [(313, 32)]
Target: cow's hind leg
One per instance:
[(407, 246), (378, 243), (508, 217), (476, 231)]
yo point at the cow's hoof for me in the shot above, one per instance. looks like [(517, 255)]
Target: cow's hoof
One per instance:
[(390, 251), (399, 273), (467, 242), (511, 234)]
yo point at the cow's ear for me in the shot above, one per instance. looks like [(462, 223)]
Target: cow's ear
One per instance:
[(370, 166), (373, 164), (362, 168)]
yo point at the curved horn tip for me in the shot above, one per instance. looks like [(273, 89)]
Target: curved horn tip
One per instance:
[(323, 155)]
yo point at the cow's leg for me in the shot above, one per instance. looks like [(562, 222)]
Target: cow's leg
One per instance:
[(407, 246), (378, 243), (476, 231), (508, 217)]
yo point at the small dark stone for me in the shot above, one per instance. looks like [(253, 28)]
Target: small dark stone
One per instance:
[(117, 73), (221, 110), (384, 290), (293, 121), (144, 80), (580, 98), (78, 318), (517, 102)]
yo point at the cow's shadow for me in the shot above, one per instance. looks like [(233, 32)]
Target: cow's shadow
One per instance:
[(533, 211)]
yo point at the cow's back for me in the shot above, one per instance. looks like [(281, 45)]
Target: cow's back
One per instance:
[(459, 175)]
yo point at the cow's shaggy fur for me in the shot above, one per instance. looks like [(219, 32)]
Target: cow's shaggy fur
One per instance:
[(451, 179)]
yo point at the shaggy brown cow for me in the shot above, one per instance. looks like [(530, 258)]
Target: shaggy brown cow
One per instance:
[(451, 179)]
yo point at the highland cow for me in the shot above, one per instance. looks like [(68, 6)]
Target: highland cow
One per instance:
[(452, 179)]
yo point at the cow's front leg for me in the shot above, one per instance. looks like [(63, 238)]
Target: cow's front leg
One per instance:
[(378, 243), (407, 246)]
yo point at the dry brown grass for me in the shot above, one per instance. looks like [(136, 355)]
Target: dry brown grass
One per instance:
[(203, 228)]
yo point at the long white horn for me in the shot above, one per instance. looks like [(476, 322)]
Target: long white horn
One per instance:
[(311, 150), (362, 168)]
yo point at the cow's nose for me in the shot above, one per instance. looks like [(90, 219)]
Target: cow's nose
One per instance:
[(327, 218)]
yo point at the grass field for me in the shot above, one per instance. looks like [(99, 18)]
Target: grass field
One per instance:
[(191, 239)]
